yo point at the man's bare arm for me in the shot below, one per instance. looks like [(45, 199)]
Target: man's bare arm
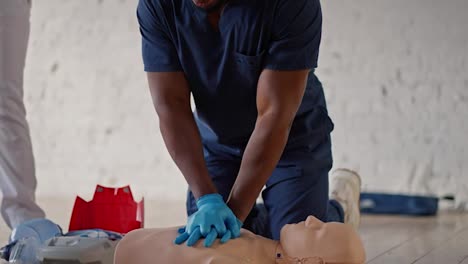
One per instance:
[(171, 99), (279, 95)]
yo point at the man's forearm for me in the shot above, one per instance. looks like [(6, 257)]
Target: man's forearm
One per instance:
[(260, 159), (183, 141)]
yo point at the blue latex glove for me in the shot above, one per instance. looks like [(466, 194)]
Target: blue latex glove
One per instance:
[(26, 238), (41, 229), (210, 238), (213, 220)]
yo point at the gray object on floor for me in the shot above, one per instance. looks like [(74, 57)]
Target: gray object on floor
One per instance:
[(78, 250)]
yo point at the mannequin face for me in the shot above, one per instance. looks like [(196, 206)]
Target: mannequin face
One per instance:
[(334, 242)]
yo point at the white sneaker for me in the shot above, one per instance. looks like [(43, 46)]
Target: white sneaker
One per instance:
[(346, 189)]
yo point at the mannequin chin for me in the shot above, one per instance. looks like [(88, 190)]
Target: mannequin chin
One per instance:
[(310, 241)]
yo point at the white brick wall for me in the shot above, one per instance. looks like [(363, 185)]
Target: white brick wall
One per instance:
[(395, 74)]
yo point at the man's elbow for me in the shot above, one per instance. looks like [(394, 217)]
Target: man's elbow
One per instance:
[(276, 119), (170, 108)]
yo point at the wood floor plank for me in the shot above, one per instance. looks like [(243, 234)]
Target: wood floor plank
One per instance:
[(453, 251), (464, 261), (382, 237), (431, 234)]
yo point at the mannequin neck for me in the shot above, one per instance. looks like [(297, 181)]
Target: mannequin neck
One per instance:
[(282, 258)]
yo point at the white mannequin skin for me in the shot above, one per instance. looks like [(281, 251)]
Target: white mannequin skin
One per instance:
[(310, 241)]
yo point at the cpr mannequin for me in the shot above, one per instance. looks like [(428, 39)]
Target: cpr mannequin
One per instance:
[(310, 241)]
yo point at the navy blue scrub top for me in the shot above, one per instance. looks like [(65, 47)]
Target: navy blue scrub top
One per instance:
[(223, 65)]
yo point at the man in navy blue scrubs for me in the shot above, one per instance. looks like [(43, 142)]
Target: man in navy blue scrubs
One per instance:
[(260, 120)]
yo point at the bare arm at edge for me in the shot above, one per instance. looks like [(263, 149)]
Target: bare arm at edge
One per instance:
[(279, 95), (171, 98)]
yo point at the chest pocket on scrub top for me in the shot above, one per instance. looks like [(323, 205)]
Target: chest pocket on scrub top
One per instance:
[(248, 68)]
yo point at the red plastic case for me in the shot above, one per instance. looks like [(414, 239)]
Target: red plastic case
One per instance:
[(111, 209)]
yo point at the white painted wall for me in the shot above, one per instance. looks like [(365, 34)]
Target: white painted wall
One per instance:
[(395, 75)]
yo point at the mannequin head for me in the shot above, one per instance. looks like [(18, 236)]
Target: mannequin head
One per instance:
[(333, 242)]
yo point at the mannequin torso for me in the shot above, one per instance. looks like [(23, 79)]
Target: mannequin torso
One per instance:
[(308, 242)]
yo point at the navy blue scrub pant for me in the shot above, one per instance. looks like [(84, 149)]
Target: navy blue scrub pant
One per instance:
[(297, 188)]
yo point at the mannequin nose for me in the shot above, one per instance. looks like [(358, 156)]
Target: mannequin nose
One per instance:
[(311, 221)]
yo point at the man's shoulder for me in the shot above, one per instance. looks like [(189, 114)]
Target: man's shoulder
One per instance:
[(295, 3), (160, 9), (163, 3)]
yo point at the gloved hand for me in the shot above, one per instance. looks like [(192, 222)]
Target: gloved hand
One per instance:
[(213, 220), (26, 238), (41, 229), (209, 240)]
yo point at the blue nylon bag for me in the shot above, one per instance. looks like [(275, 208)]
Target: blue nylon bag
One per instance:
[(381, 203)]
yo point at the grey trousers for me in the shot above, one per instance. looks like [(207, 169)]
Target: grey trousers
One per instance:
[(17, 171)]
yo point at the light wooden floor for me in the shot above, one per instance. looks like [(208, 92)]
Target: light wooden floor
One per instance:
[(387, 239), (430, 240)]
